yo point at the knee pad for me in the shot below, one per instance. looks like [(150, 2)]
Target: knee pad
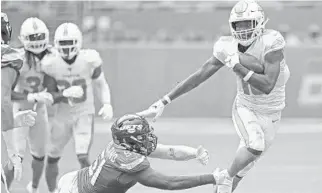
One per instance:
[(83, 160), (53, 160), (40, 159), (254, 151)]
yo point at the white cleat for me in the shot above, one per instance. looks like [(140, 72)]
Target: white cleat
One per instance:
[(224, 183), (30, 189)]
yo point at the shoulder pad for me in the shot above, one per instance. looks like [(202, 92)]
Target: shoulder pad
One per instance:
[(92, 57), (10, 58), (132, 162), (273, 41)]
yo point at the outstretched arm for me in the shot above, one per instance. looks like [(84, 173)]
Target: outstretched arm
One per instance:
[(152, 178), (210, 67), (180, 153)]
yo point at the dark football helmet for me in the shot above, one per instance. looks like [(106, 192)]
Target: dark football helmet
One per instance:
[(6, 29), (135, 134)]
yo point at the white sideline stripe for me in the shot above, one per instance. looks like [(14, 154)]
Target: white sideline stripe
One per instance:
[(222, 126)]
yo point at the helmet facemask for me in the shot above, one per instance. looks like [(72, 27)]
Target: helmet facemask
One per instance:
[(35, 43), (68, 49), (246, 31)]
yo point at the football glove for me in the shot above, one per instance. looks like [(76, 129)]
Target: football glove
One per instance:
[(231, 59), (202, 155), (74, 92), (106, 111), (155, 109), (41, 97), (25, 118)]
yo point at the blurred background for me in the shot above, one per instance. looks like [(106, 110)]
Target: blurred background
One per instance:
[(149, 46)]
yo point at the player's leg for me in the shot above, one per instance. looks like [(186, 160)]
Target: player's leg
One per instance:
[(7, 171), (60, 133), (251, 134), (37, 143), (83, 136), (269, 125)]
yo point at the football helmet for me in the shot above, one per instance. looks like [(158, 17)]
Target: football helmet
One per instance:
[(6, 29), (252, 16), (134, 133), (34, 35), (68, 40)]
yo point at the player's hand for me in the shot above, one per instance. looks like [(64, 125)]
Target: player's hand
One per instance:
[(17, 165), (41, 97), (231, 58), (106, 112), (25, 118), (74, 92), (155, 109), (202, 155)]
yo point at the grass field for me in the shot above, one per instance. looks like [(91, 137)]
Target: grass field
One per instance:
[(292, 165)]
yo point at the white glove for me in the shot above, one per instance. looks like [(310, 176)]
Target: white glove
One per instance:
[(25, 118), (156, 108), (202, 155), (73, 91), (106, 111), (231, 60), (17, 165), (41, 97)]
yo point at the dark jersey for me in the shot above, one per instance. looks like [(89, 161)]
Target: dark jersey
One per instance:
[(11, 62), (111, 171)]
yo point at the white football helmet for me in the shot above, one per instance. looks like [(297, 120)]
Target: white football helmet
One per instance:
[(252, 14), (68, 40), (34, 35)]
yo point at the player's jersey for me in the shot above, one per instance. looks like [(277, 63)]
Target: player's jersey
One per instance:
[(248, 96), (110, 172), (31, 76), (11, 62), (78, 73)]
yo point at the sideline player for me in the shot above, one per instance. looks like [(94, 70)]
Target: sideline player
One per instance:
[(75, 75), (124, 162), (30, 93), (256, 56), (11, 62)]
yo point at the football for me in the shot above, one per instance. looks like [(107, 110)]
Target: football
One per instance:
[(251, 63)]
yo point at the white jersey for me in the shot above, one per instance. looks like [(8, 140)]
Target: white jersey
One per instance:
[(79, 73), (30, 79), (247, 95)]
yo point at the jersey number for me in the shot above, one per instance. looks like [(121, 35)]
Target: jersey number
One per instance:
[(249, 90), (34, 83), (96, 167), (63, 84)]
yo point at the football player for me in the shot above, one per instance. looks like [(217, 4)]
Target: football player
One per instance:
[(30, 94), (74, 75), (11, 62), (256, 56), (124, 162)]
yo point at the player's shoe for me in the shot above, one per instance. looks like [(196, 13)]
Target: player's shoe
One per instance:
[(30, 189), (224, 183)]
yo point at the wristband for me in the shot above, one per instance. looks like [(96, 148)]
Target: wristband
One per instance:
[(248, 75), (167, 98)]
